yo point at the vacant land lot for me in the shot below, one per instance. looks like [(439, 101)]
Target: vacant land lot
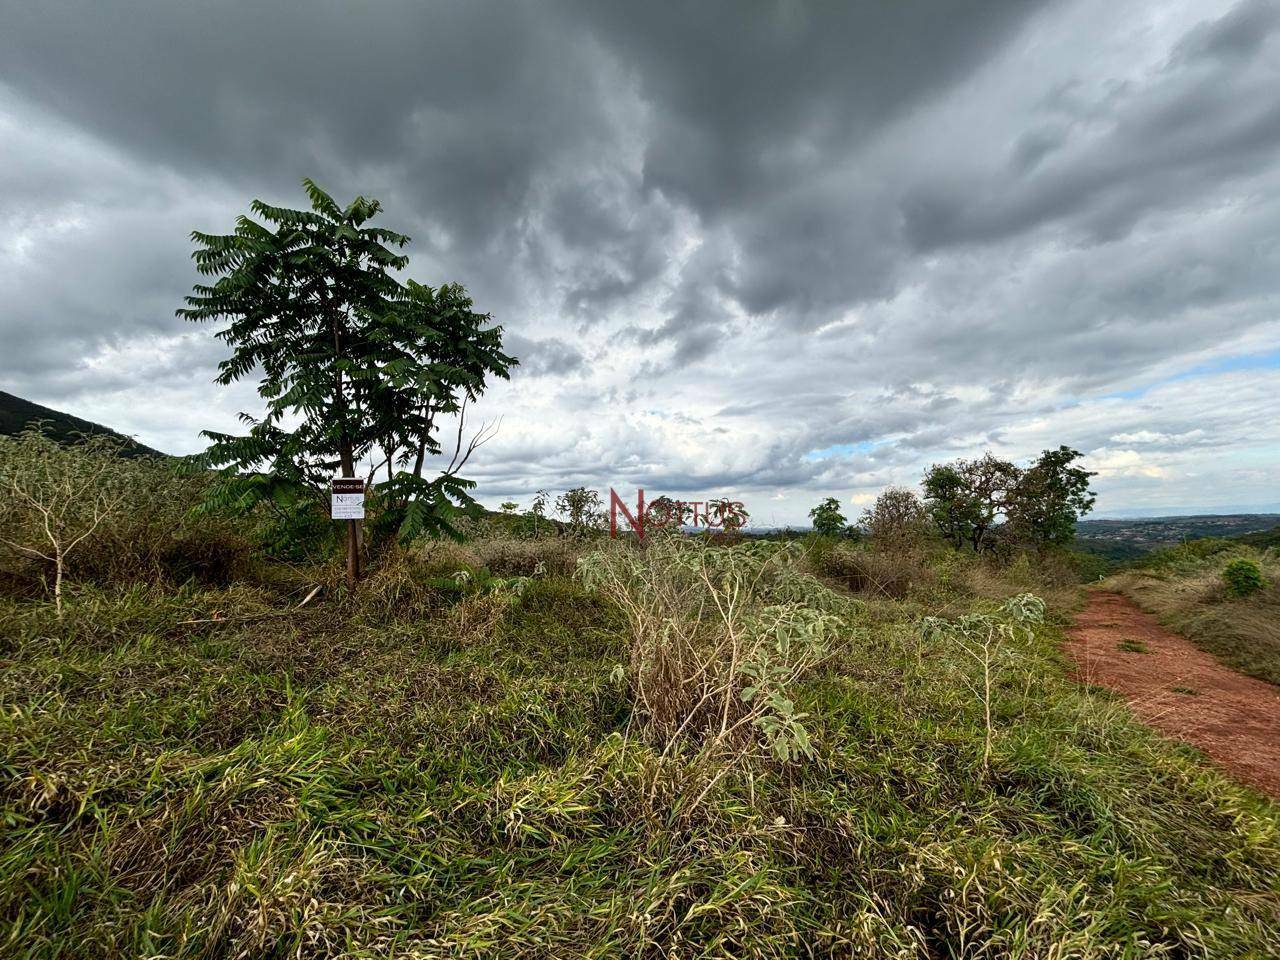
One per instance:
[(468, 772)]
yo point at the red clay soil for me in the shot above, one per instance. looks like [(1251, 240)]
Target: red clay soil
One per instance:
[(1180, 689)]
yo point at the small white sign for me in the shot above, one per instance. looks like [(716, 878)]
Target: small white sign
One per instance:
[(347, 499)]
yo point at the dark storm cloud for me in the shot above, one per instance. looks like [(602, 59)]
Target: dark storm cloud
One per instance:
[(1197, 125), (1237, 35), (480, 117), (750, 103), (549, 356)]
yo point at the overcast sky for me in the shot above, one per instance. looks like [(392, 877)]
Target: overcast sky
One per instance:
[(778, 255)]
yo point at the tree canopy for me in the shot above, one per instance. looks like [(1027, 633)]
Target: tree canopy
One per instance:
[(1049, 498), (353, 364), (828, 521), (975, 501)]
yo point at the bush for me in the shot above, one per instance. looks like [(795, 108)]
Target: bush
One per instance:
[(1186, 556), (1243, 577), (891, 574), (160, 534), (719, 636), (897, 521), (444, 558), (507, 557), (114, 519)]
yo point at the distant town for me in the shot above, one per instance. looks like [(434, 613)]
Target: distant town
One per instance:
[(1124, 539)]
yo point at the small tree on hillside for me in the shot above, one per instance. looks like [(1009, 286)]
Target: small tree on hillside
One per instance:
[(351, 361), (665, 513), (1049, 498), (827, 519), (582, 509), (1243, 577), (896, 520), (55, 496), (966, 499), (539, 509)]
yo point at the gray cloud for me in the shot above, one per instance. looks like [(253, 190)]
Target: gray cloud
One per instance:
[(722, 243)]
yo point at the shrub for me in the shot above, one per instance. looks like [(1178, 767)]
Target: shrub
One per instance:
[(897, 521), (583, 511), (56, 497), (507, 557), (1184, 557), (891, 574), (160, 533), (983, 637), (1243, 577), (444, 558), (119, 520), (718, 637)]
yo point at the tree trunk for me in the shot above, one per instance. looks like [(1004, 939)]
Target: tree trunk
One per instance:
[(353, 555), (347, 461)]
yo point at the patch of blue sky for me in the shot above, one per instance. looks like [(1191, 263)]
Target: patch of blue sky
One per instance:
[(845, 449), (1267, 360)]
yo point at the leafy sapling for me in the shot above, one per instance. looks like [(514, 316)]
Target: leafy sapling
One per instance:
[(982, 636)]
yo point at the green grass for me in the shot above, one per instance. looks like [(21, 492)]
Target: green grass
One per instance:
[(1129, 645), (345, 780)]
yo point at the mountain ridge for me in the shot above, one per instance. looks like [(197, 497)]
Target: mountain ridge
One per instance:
[(16, 414)]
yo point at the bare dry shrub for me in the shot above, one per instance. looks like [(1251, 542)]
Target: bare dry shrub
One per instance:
[(718, 637), (399, 584), (82, 512), (475, 618), (443, 558), (509, 557), (890, 574), (896, 522), (1044, 574)]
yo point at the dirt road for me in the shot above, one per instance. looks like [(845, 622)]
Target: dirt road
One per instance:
[(1180, 689)]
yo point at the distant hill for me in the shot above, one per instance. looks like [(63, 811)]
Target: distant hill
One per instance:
[(1262, 539), (1128, 539), (16, 414)]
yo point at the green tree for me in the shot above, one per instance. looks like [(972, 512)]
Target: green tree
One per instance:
[(1049, 498), (827, 519), (350, 362), (664, 512), (729, 515), (582, 509), (1243, 577), (966, 499), (539, 509)]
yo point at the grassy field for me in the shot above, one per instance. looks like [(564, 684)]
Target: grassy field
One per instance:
[(462, 768), (1183, 586)]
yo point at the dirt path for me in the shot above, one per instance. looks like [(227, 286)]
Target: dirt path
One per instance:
[(1180, 689)]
